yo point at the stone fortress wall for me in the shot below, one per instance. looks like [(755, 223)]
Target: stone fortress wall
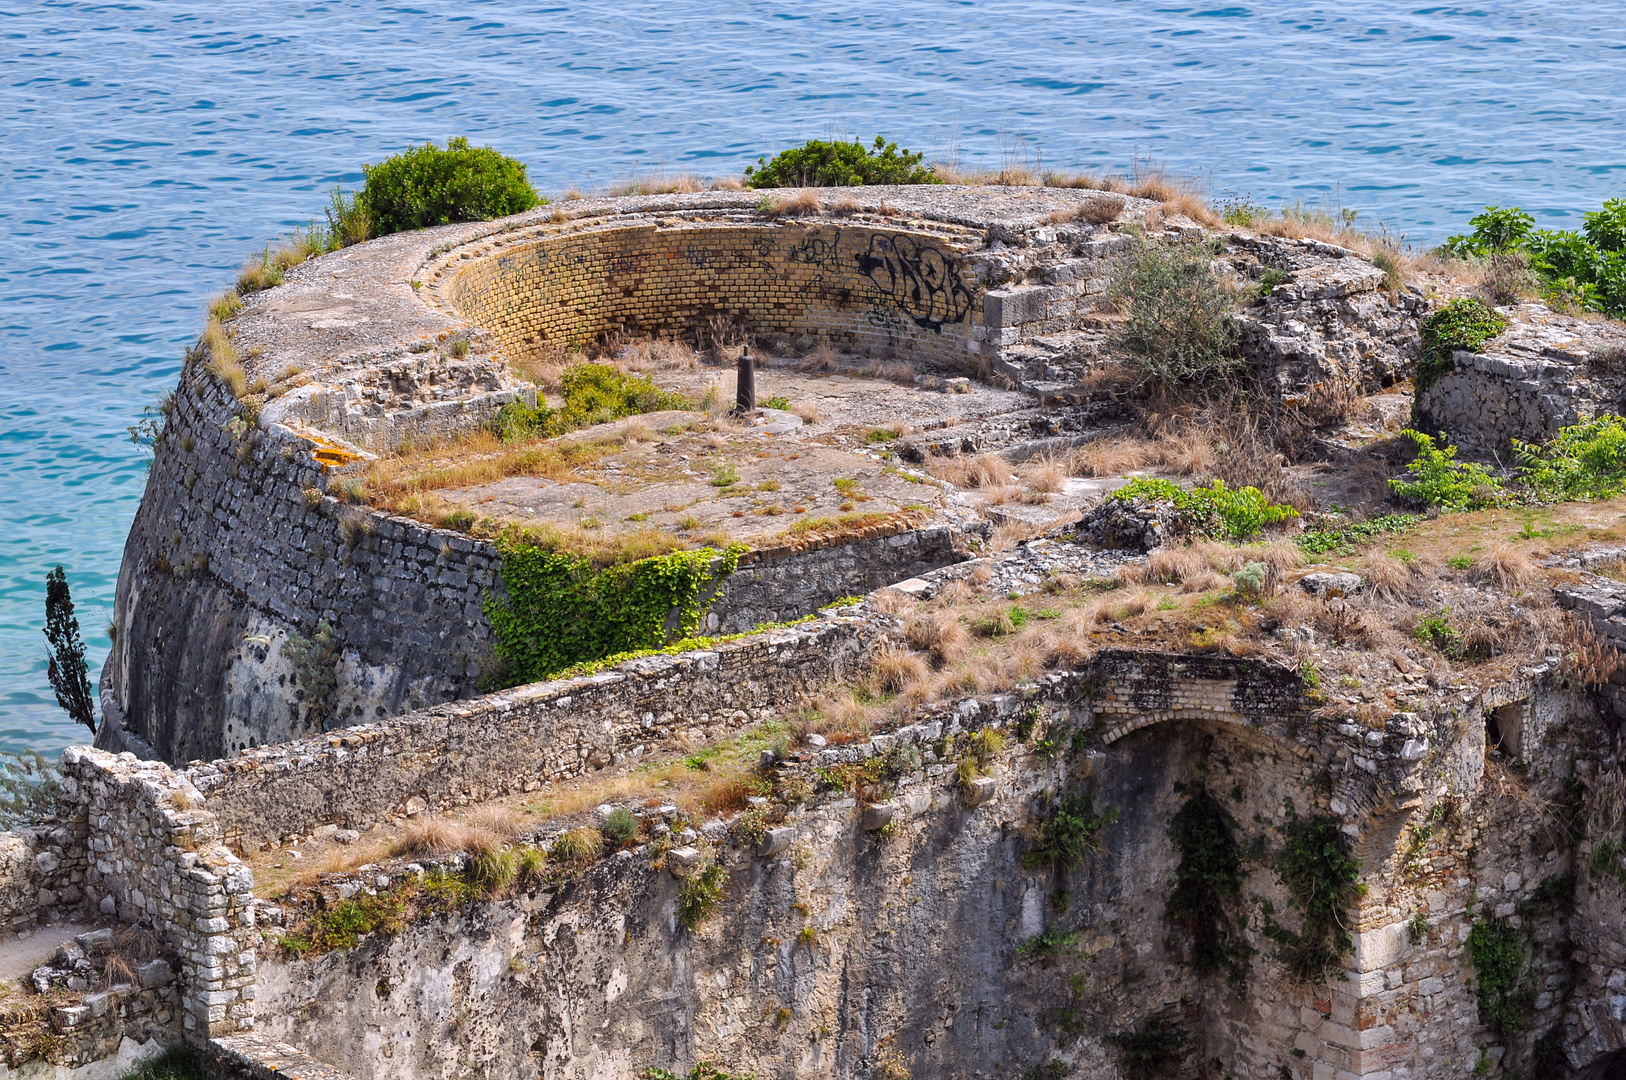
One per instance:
[(944, 886)]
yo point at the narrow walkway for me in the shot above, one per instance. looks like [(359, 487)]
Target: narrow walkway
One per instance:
[(256, 1057)]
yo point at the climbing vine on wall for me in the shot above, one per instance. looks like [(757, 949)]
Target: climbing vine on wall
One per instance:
[(1207, 883), (1319, 870), (1506, 996), (560, 610)]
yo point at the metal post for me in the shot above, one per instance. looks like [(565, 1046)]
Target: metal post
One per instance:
[(745, 386)]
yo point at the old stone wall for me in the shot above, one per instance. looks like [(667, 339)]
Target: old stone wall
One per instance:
[(238, 558), (151, 854), (1545, 372), (519, 739), (869, 288)]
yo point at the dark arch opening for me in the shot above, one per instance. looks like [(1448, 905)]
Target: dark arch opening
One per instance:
[(1610, 1066)]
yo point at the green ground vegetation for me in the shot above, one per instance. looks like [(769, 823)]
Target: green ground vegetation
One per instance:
[(1067, 833), (593, 394), (1465, 324), (1503, 985), (1212, 510)]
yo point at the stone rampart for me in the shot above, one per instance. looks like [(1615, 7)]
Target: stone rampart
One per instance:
[(152, 854), (519, 739)]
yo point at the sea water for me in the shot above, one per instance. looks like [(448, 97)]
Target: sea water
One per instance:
[(148, 148)]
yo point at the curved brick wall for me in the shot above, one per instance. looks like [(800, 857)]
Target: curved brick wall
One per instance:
[(896, 291)]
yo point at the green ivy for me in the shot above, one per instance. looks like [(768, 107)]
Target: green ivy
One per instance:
[(819, 163), (559, 610), (1465, 323), (1319, 871), (1214, 511), (1504, 990), (1438, 479), (1068, 833), (1207, 882), (593, 394)]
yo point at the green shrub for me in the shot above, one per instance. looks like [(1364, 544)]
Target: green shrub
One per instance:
[(429, 186), (1436, 630), (1067, 834), (1583, 461), (1504, 989), (1438, 479), (704, 1070), (1213, 511), (494, 869), (1250, 580), (558, 610), (840, 164), (1585, 270), (700, 893), (1466, 324), (1179, 327), (1318, 867), (1496, 230), (620, 826)]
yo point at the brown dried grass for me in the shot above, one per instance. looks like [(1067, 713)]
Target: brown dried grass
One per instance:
[(497, 820), (1043, 474), (429, 837), (939, 635), (895, 670), (1504, 567), (980, 471), (803, 203)]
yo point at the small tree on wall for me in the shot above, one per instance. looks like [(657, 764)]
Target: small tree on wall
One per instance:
[(67, 671)]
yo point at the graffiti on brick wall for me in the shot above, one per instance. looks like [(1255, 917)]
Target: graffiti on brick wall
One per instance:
[(917, 279)]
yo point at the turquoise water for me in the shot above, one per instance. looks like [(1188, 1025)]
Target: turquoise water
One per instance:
[(149, 146)]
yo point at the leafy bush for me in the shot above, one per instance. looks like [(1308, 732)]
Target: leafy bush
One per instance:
[(557, 610), (1496, 230), (429, 186), (181, 1063), (1214, 510), (1067, 834), (620, 825), (594, 394), (840, 164), (1586, 268), (1436, 630), (1180, 327), (1583, 461), (1465, 323), (1438, 479)]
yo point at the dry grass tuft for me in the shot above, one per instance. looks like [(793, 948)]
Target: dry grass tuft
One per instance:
[(939, 635), (1043, 474), (656, 183), (846, 206), (1387, 578), (1101, 210), (895, 670), (728, 183), (801, 204), (497, 820), (429, 837), (981, 471), (1505, 567), (808, 411)]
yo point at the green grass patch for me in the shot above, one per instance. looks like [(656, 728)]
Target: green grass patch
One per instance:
[(593, 394), (1345, 537)]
